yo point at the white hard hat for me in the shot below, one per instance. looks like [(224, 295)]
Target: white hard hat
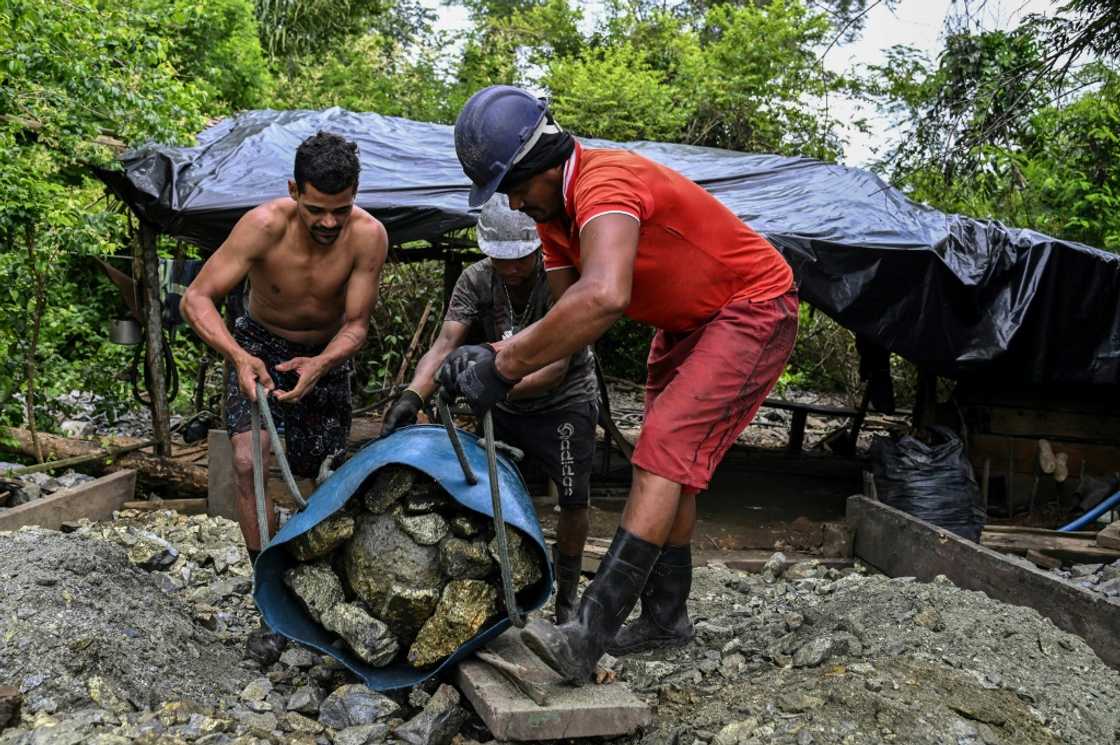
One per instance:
[(504, 233)]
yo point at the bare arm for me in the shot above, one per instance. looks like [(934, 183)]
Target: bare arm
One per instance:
[(247, 242), (451, 336), (586, 308), (543, 380), (361, 294)]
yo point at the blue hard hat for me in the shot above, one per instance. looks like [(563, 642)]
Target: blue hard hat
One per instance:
[(492, 131)]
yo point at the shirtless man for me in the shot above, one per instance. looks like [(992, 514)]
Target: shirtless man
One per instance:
[(314, 261)]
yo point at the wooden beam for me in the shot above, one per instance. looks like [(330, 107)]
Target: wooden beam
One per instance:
[(1051, 543), (95, 500), (900, 545), (153, 330)]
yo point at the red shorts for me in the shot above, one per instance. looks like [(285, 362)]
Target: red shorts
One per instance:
[(704, 386)]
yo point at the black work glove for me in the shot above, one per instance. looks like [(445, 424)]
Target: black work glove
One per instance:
[(471, 372), (402, 412)]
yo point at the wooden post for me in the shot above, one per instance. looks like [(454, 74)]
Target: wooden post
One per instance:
[(152, 312), (925, 405)]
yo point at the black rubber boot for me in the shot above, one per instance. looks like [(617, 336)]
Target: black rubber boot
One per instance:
[(664, 621), (567, 587), (573, 648)]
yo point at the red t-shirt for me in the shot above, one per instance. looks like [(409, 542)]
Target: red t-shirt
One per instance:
[(694, 255)]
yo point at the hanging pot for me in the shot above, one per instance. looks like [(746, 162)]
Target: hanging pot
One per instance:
[(124, 331)]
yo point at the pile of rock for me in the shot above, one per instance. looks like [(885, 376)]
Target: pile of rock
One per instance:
[(18, 490), (403, 572), (1101, 578)]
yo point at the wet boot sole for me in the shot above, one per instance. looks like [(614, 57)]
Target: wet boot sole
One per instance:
[(543, 648)]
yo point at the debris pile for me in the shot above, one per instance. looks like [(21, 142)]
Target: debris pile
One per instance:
[(799, 655), (17, 490), (808, 655), (403, 572), (1100, 578)]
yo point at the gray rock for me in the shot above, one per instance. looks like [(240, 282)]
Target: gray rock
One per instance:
[(388, 486), (462, 559), (774, 567), (353, 705), (439, 721), (363, 734), (317, 587), (810, 569), (257, 690), (814, 653), (736, 733), (1111, 588), (524, 564), (296, 656), (467, 526), (797, 702), (463, 609), (1084, 570), (305, 700), (370, 639), (323, 539), (427, 529), (149, 551), (426, 500)]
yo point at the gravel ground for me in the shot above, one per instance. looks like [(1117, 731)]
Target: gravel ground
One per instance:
[(134, 631)]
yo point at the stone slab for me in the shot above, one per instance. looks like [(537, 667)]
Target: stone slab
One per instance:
[(95, 500), (900, 545), (590, 711)]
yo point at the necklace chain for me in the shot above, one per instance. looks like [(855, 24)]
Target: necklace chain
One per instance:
[(514, 328)]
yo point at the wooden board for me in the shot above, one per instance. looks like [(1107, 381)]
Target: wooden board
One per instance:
[(185, 506), (589, 711), (95, 500), (900, 545), (1051, 543)]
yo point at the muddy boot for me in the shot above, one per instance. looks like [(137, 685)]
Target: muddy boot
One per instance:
[(664, 621), (567, 587), (573, 648)]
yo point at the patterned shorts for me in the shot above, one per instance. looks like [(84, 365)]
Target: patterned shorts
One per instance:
[(314, 427)]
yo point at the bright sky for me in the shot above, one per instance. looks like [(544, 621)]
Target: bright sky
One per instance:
[(918, 23)]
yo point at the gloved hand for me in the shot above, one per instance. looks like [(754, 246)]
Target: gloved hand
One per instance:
[(402, 412), (471, 372)]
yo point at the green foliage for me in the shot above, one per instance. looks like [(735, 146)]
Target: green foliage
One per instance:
[(370, 73), (298, 27), (213, 41)]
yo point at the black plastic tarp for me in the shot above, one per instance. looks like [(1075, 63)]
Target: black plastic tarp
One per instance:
[(960, 295)]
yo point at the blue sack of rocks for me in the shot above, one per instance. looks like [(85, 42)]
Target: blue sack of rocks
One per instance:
[(400, 514)]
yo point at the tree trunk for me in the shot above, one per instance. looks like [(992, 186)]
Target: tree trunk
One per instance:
[(187, 478), (33, 345)]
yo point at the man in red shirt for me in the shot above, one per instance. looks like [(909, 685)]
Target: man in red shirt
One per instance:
[(624, 235)]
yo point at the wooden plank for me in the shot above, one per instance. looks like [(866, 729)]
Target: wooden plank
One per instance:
[(1084, 550), (1110, 536), (95, 500), (185, 506), (903, 546), (1040, 559), (588, 711)]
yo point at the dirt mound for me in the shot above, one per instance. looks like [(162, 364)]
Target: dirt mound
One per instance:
[(78, 622)]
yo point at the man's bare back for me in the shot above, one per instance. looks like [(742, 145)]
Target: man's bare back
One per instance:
[(297, 287)]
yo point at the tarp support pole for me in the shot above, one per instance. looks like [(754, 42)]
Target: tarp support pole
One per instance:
[(151, 317), (452, 268)]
